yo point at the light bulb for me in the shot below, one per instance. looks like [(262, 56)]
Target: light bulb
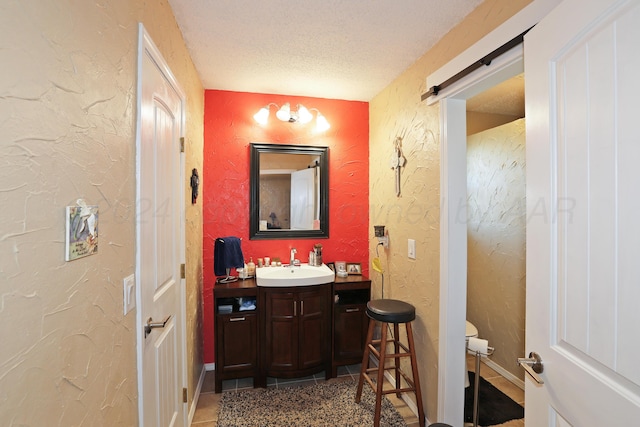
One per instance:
[(321, 123), (262, 115), (284, 113), (304, 116)]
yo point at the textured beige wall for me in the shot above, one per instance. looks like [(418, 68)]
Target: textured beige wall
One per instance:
[(496, 263), (398, 112), (67, 120)]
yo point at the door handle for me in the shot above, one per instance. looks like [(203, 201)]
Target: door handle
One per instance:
[(153, 325), (533, 365)]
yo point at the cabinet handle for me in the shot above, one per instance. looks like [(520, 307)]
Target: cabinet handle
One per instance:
[(352, 310), (237, 319), (295, 306), (301, 308)]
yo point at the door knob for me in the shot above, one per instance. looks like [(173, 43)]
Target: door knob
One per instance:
[(153, 325), (533, 365)]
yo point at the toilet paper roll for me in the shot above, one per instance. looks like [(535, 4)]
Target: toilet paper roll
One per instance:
[(478, 345)]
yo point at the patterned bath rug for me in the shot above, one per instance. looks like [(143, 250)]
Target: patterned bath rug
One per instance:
[(327, 404)]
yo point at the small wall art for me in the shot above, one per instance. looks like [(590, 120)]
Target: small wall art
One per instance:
[(81, 231)]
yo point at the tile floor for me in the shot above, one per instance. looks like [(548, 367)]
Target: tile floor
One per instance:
[(207, 410)]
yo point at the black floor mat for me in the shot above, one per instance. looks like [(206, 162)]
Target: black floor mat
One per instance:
[(494, 406)]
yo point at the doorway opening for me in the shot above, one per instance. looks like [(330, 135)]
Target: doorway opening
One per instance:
[(496, 233), (453, 228)]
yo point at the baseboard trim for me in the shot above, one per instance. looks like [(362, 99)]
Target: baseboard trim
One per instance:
[(506, 374), (196, 395), (209, 367)]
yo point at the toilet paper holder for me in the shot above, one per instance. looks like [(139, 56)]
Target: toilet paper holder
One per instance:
[(477, 345), (476, 380)]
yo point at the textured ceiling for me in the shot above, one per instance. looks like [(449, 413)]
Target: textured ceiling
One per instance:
[(340, 49)]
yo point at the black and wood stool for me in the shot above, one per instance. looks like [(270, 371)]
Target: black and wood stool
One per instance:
[(389, 311)]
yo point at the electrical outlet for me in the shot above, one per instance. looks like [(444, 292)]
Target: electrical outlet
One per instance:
[(412, 249), (129, 293)]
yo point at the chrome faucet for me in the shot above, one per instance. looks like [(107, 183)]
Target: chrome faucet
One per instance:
[(293, 256)]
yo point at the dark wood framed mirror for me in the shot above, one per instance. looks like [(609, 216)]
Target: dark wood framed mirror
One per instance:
[(289, 191)]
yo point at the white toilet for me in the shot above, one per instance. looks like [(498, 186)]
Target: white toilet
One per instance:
[(471, 331)]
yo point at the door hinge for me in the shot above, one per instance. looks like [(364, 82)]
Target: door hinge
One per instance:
[(184, 395), (183, 273), (182, 144)]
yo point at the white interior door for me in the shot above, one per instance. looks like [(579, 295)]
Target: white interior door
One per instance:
[(583, 246), (159, 235), (303, 199)]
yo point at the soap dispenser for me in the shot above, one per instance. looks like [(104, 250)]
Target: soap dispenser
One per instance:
[(251, 267)]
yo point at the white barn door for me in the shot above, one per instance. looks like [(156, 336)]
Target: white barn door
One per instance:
[(583, 232)]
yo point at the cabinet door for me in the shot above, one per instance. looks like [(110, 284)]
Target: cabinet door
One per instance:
[(351, 324), (314, 327), (239, 342), (281, 331)]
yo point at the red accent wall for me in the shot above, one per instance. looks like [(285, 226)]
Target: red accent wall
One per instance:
[(229, 128)]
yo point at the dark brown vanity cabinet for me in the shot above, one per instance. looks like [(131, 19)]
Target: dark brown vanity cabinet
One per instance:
[(296, 338), (236, 332), (288, 332), (350, 320)]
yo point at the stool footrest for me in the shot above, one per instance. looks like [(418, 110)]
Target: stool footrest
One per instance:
[(374, 343), (396, 356), (375, 351), (391, 390), (371, 383), (406, 377), (399, 390)]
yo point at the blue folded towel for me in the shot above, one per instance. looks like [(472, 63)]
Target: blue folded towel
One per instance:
[(249, 304), (227, 254)]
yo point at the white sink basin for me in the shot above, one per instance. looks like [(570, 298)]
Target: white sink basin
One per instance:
[(304, 275)]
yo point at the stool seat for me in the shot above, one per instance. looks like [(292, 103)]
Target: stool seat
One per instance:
[(391, 311)]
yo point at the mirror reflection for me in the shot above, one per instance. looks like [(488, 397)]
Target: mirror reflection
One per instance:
[(288, 191)]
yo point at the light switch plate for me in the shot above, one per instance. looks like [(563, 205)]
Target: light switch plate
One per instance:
[(412, 249), (129, 293)]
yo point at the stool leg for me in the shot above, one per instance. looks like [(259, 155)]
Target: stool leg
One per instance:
[(416, 377), (365, 359), (380, 383), (396, 345)]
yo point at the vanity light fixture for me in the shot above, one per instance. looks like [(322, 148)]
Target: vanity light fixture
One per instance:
[(304, 115), (262, 115), (301, 115), (321, 123), (284, 114)]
